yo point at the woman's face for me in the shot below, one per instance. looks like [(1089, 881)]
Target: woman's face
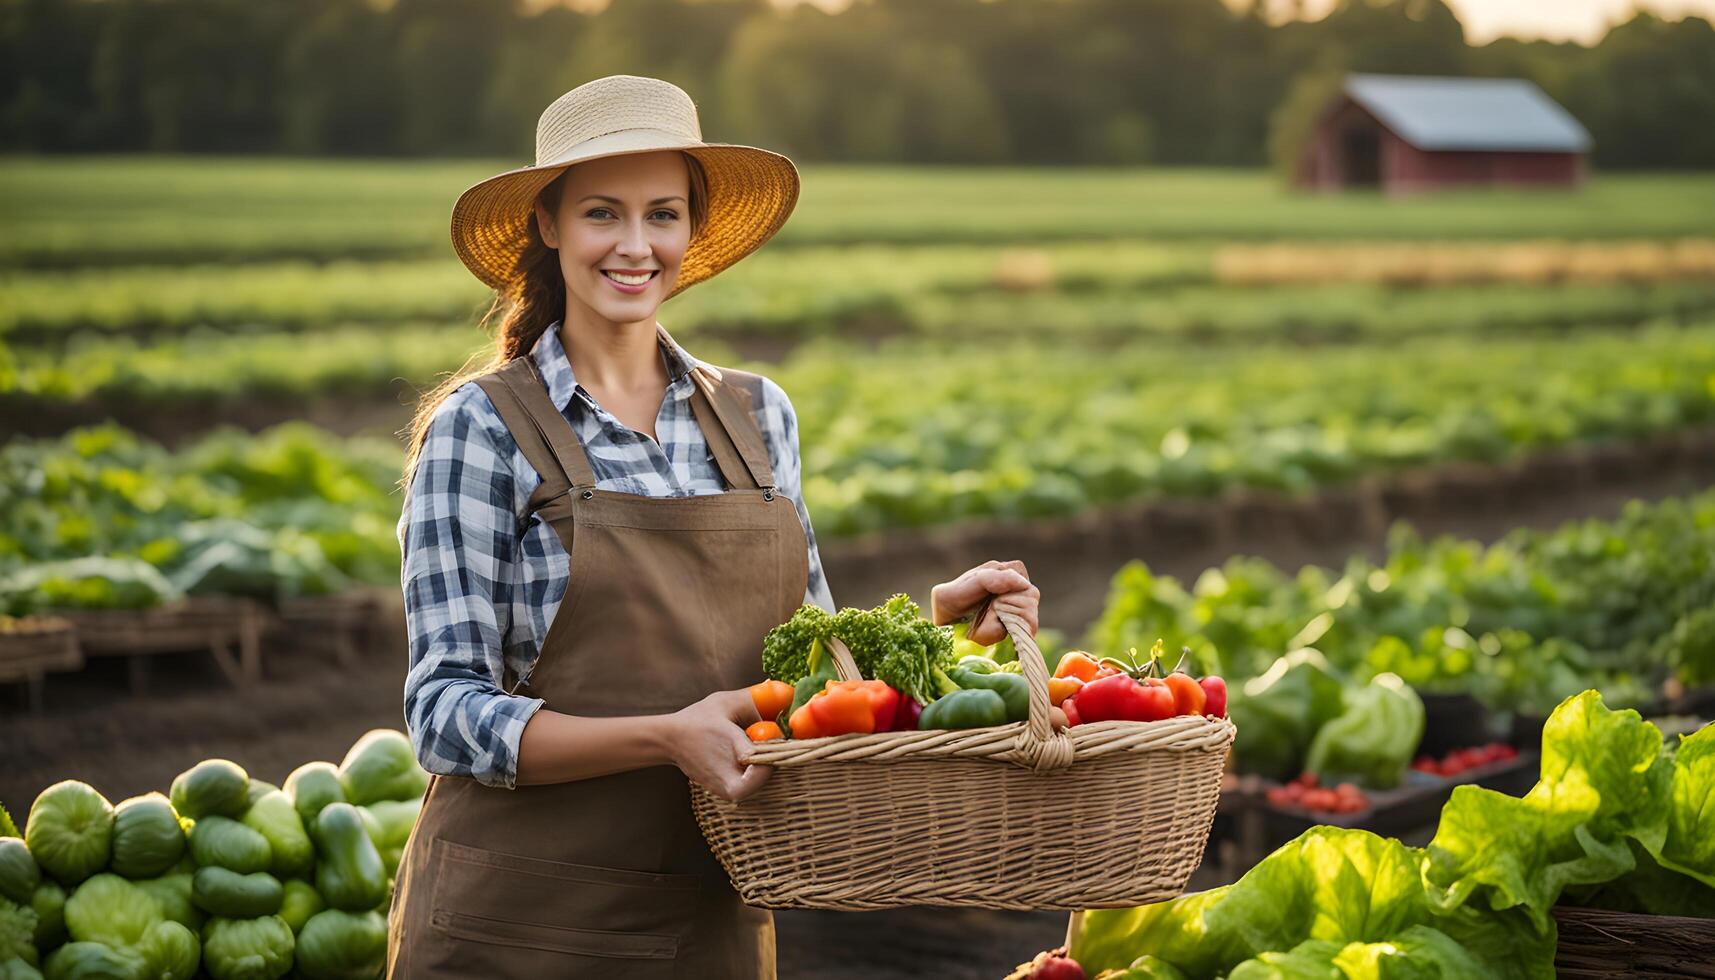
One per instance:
[(622, 230)]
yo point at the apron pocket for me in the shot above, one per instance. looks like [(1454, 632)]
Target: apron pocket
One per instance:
[(588, 942), (505, 914)]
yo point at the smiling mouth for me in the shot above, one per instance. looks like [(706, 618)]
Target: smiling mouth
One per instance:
[(630, 279)]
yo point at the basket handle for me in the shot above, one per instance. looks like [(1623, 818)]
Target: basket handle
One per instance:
[(1038, 746)]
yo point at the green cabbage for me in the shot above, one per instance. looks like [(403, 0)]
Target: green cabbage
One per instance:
[(336, 945), (70, 831), (147, 837), (1370, 743), (247, 949)]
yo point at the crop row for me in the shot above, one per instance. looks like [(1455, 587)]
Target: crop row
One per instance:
[(1133, 287), (72, 212), (1621, 605), (894, 439)]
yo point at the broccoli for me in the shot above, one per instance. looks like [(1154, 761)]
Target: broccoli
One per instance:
[(892, 643), (786, 648)]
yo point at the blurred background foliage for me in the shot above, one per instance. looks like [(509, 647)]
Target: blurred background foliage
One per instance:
[(1103, 82)]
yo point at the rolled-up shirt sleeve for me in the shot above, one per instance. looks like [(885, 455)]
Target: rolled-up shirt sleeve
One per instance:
[(780, 430), (458, 537)]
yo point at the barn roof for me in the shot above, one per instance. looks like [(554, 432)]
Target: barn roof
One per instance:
[(1468, 113)]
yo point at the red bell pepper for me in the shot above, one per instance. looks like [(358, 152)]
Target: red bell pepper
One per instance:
[(905, 719), (853, 707), (1214, 696)]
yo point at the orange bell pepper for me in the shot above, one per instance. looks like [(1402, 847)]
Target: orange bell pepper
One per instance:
[(1078, 664), (803, 723), (883, 700), (1188, 695), (771, 698), (1061, 688), (844, 708)]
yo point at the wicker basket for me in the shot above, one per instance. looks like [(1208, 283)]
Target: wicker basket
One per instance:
[(1017, 816)]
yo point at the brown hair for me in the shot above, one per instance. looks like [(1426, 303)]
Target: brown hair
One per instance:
[(534, 300)]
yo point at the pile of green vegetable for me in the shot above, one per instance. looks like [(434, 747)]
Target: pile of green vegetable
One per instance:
[(1620, 605), (103, 519), (1618, 820), (226, 872)]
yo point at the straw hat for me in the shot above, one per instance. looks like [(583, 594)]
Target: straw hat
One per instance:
[(751, 191)]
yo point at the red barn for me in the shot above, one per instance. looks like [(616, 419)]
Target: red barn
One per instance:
[(1405, 133)]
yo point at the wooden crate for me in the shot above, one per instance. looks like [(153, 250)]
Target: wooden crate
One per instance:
[(229, 629), (32, 647)]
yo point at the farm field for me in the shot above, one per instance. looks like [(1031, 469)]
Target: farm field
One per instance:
[(1142, 334), (1195, 401)]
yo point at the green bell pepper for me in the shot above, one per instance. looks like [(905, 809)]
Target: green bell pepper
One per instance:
[(971, 708), (350, 874), (218, 891), (978, 663), (1013, 689), (226, 843), (211, 787), (312, 786)]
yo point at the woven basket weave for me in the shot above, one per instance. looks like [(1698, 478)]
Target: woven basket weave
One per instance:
[(1017, 816)]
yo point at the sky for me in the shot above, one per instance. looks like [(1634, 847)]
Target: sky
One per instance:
[(1584, 21)]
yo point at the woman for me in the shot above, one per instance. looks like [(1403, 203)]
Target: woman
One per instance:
[(599, 529)]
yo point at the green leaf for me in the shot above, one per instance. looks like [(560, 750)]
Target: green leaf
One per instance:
[(1604, 783), (1306, 903), (1689, 845)]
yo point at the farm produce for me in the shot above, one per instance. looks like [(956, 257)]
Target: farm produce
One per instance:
[(1307, 793), (1459, 760), (94, 890), (1617, 820)]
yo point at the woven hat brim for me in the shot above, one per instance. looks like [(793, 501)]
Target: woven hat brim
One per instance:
[(752, 192)]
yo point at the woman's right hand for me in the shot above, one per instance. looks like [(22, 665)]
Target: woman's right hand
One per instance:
[(707, 740)]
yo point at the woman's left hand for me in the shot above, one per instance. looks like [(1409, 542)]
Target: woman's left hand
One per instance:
[(1008, 581)]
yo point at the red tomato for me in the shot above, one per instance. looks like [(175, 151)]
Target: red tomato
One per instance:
[(1153, 702)]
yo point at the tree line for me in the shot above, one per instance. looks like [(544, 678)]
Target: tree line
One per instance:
[(918, 81)]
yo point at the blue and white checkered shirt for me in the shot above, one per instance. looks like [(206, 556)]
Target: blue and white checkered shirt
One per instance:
[(478, 595)]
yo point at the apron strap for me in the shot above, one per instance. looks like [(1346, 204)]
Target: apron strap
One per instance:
[(542, 433), (732, 467), (736, 426)]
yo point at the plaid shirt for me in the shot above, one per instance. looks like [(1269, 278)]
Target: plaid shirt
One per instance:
[(479, 595)]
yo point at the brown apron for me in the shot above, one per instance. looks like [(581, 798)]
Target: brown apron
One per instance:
[(668, 601)]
